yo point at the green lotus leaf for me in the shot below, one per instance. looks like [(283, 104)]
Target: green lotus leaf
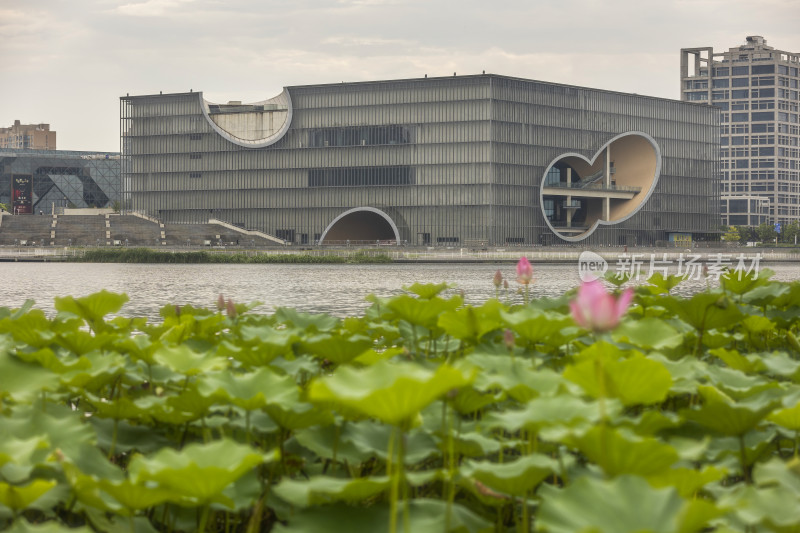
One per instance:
[(515, 477), (262, 344), (538, 326), (59, 426), (777, 472), (629, 505), (721, 414), (468, 400), (620, 453), (421, 312), (306, 321), (649, 332), (636, 380), (126, 437), (471, 444), (200, 472), (118, 409), (23, 526), (658, 284), (104, 368), (92, 308), (137, 347), (704, 311), (735, 383), (20, 451), (425, 516), (328, 442), (22, 497), (319, 490), (757, 324), (427, 291), (391, 392), (781, 364), (372, 438), (472, 322), (563, 410), (737, 361), (49, 360), (741, 282), (299, 415), (773, 508), (686, 481), (336, 348), (29, 379), (249, 391), (134, 496), (81, 342), (184, 360), (32, 328), (516, 377), (788, 417)]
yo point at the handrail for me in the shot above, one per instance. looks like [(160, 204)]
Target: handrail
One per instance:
[(251, 232)]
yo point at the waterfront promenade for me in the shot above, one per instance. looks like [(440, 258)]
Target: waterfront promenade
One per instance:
[(444, 255)]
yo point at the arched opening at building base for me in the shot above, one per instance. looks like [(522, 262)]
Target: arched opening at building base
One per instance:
[(362, 225)]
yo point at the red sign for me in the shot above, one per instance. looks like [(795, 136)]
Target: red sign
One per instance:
[(22, 194)]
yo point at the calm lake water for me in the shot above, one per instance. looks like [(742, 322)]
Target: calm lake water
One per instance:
[(335, 289)]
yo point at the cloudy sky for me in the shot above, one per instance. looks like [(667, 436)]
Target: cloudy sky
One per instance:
[(67, 62)]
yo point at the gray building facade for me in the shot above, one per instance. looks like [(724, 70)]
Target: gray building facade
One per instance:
[(46, 180), (452, 161), (756, 88)]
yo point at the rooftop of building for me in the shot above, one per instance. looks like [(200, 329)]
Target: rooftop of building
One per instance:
[(455, 77), (27, 152)]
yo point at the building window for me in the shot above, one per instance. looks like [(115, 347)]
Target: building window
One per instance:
[(195, 136), (763, 69), (361, 176), (195, 155), (763, 116), (740, 82), (361, 136), (740, 71), (195, 174)]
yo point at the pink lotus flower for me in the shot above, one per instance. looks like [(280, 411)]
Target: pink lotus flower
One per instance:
[(597, 309), (524, 271)]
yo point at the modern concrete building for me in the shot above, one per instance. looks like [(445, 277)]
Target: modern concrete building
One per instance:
[(756, 88), (28, 137), (454, 161), (49, 180)]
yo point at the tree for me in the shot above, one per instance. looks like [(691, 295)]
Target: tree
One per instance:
[(731, 234), (766, 232), (746, 234), (791, 232), (3, 207)]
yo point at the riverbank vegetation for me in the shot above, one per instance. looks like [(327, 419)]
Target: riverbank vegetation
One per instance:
[(628, 411), (147, 255)]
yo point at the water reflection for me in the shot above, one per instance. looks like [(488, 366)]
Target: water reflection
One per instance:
[(335, 289)]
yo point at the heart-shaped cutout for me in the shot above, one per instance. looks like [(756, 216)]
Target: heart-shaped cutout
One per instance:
[(579, 194)]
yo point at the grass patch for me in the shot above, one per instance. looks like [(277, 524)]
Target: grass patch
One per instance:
[(147, 255)]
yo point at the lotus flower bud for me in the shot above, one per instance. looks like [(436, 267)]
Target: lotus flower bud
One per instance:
[(524, 271), (498, 279), (221, 302), (230, 308)]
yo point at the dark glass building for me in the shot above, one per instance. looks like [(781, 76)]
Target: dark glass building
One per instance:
[(46, 180), (451, 161)]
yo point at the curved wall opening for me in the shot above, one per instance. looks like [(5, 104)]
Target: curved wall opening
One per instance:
[(362, 225), (578, 194)]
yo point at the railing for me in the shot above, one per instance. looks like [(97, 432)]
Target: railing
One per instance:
[(603, 187), (251, 232)]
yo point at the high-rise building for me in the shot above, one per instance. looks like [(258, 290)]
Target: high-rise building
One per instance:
[(28, 137), (756, 88)]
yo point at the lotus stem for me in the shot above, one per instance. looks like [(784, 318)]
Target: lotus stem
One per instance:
[(203, 518), (393, 486)]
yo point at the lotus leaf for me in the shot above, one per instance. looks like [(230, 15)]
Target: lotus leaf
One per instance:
[(629, 505), (199, 473), (391, 392), (515, 477)]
